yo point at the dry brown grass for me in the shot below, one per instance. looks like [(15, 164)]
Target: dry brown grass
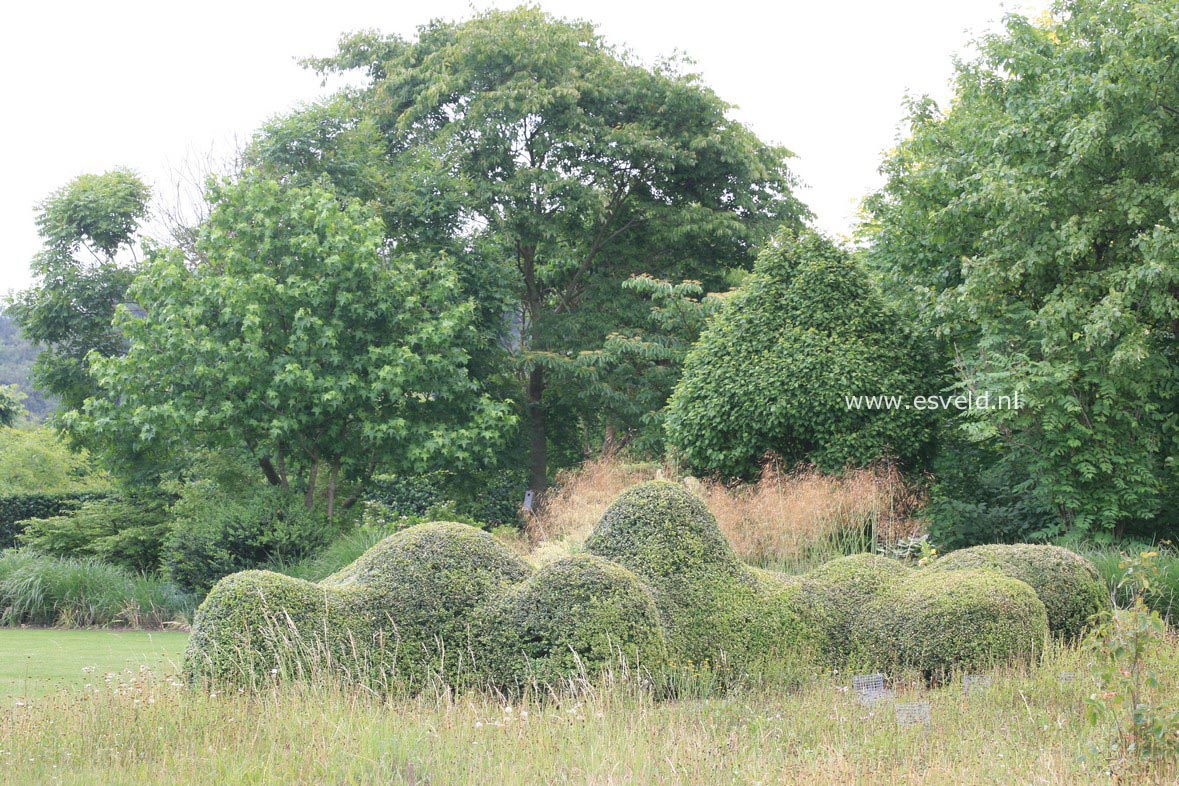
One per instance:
[(787, 519)]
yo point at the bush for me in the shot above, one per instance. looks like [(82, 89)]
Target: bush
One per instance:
[(16, 509), (127, 532), (719, 614), (402, 611), (41, 590), (1069, 585), (841, 589), (218, 531), (939, 622), (577, 617), (772, 368)]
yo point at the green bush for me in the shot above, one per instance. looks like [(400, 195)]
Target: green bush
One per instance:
[(577, 617), (939, 622), (127, 532), (16, 509), (1067, 584), (772, 368), (218, 531), (840, 590), (40, 590), (1111, 565), (720, 615), (403, 611)]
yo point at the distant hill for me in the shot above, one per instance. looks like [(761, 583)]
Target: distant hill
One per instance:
[(16, 367)]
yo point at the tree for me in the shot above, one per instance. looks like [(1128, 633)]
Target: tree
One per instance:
[(86, 226), (303, 338), (1033, 228), (556, 167), (776, 369), (12, 406)]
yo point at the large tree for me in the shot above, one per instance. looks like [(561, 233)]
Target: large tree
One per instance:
[(1033, 227), (302, 337), (554, 168), (89, 228)]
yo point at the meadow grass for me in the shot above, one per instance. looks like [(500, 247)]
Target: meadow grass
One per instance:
[(1028, 727)]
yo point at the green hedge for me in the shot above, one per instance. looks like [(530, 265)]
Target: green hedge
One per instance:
[(18, 508), (659, 589)]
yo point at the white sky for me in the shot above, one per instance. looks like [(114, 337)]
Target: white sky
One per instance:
[(95, 85)]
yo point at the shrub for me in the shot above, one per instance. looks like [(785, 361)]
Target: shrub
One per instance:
[(772, 368), (403, 609), (40, 590), (718, 613), (216, 532), (576, 617), (1069, 585), (841, 589), (939, 622), (16, 509), (128, 532)]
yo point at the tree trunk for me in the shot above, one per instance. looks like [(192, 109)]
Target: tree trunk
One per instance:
[(538, 467), (269, 471), (331, 489), (309, 497)]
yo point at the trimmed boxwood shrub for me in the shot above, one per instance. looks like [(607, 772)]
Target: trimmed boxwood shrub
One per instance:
[(576, 617), (1069, 585), (720, 615), (943, 621), (402, 611), (840, 590)]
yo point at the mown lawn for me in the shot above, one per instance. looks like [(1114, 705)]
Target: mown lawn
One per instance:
[(1027, 727), (34, 662)]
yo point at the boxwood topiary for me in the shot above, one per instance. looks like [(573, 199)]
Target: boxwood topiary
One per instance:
[(719, 614), (403, 609), (579, 616), (938, 622), (840, 590), (1069, 585)]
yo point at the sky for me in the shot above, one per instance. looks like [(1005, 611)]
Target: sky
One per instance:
[(153, 86)]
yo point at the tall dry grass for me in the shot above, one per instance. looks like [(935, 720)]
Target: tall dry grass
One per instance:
[(787, 520)]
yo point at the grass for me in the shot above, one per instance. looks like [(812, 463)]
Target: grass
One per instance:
[(1028, 727), (35, 662), (73, 593), (788, 521)]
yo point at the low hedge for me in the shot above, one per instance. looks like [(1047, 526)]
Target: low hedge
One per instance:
[(1069, 585), (658, 588), (18, 508)]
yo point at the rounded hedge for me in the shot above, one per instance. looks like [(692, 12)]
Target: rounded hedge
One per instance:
[(840, 590), (940, 622), (575, 618), (721, 617), (403, 609), (1069, 585)]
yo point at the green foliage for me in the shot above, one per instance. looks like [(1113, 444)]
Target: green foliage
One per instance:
[(325, 354), (12, 407), (125, 531), (943, 622), (1067, 584), (773, 370), (218, 529), (841, 589), (33, 460), (402, 610), (1032, 228), (1131, 697), (720, 616), (550, 192), (85, 225), (658, 594), (16, 509), (40, 590), (1162, 592), (573, 619)]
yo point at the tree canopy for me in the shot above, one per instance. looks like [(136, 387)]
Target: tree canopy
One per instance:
[(553, 168), (302, 337), (1032, 226)]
